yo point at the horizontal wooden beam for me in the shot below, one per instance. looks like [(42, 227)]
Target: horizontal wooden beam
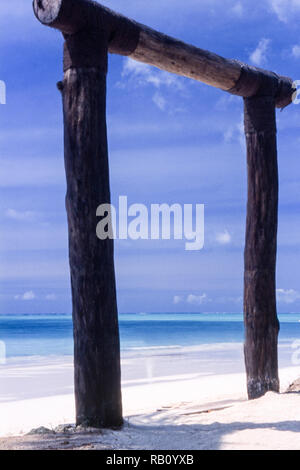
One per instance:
[(129, 38)]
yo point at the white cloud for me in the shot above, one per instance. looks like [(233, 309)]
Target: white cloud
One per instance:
[(196, 299), (146, 74), (177, 299), (141, 74), (159, 100), (258, 56), (19, 215), (223, 237), (134, 67), (228, 134), (235, 132), (296, 51), (285, 9), (238, 9), (191, 299), (288, 296), (30, 295), (231, 299)]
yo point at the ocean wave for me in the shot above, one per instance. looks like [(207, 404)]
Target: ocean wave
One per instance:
[(177, 349)]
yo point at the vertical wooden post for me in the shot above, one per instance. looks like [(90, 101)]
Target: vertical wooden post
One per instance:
[(261, 323), (96, 335)]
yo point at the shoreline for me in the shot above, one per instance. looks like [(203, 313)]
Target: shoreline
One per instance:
[(171, 396), (192, 393), (27, 377)]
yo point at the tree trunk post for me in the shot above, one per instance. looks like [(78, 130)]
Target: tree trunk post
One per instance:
[(95, 320), (260, 316), (91, 30)]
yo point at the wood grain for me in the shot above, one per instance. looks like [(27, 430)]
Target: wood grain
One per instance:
[(260, 316), (95, 319), (129, 38)]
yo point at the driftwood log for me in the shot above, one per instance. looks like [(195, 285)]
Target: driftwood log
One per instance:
[(90, 31), (294, 387)]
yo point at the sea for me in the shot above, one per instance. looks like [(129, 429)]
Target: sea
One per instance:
[(36, 351), (141, 334)]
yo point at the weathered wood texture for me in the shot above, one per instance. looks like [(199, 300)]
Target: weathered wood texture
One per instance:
[(261, 323), (126, 37), (96, 335), (89, 29)]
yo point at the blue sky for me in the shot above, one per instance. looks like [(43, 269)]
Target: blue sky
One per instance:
[(171, 140)]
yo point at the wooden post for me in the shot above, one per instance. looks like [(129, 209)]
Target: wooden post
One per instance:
[(96, 336), (91, 30), (261, 323)]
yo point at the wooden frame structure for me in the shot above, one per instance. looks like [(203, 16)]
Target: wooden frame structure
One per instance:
[(91, 31)]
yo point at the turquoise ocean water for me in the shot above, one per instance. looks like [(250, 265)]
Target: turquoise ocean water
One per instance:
[(51, 335)]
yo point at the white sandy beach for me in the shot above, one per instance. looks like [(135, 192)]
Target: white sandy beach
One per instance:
[(188, 411)]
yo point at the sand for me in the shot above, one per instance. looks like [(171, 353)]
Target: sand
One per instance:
[(177, 412)]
